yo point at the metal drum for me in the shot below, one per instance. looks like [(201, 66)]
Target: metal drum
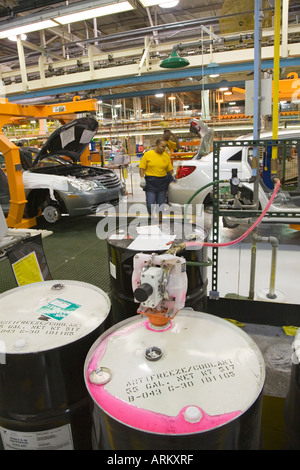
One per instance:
[(46, 330), (193, 384), (122, 247), (292, 401)]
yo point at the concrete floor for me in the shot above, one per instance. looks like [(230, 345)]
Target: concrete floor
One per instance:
[(74, 251)]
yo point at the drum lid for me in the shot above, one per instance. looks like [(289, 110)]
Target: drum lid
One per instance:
[(195, 374), (49, 314)]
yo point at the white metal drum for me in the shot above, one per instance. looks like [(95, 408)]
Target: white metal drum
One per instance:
[(195, 375), (50, 314), (46, 330)]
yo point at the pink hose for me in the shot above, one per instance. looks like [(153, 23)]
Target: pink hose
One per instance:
[(237, 240)]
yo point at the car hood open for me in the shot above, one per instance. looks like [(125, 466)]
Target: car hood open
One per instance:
[(69, 140)]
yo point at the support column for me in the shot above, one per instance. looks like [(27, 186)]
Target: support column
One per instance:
[(22, 63)]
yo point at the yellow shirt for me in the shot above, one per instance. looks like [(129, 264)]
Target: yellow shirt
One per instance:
[(156, 164), (171, 145)]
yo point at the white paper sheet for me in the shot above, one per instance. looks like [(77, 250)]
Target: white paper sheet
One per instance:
[(157, 242)]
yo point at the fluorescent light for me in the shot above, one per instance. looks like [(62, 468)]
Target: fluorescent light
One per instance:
[(214, 75), (228, 93), (223, 89), (27, 28), (151, 3), (118, 106), (78, 11), (168, 4), (14, 38), (159, 95), (232, 103), (172, 97), (94, 13)]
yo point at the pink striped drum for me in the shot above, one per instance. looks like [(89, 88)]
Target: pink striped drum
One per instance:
[(195, 383)]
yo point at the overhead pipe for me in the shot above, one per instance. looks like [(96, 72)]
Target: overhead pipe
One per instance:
[(183, 25)]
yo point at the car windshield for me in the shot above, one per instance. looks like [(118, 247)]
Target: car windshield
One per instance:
[(54, 160)]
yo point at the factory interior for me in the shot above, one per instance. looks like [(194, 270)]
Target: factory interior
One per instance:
[(120, 330)]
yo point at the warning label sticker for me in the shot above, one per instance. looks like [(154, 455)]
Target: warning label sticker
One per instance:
[(58, 309), (52, 439)]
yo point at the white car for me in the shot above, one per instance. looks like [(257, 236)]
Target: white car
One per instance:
[(196, 173), (56, 183)]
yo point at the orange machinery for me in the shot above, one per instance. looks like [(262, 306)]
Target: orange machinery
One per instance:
[(8, 111), (289, 88)]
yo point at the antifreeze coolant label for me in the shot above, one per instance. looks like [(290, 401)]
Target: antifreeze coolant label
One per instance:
[(205, 365)]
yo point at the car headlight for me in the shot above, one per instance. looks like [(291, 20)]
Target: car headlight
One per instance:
[(82, 185)]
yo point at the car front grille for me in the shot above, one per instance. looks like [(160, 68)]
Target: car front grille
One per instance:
[(109, 180)]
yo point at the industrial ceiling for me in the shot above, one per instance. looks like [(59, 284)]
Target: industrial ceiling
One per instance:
[(119, 55)]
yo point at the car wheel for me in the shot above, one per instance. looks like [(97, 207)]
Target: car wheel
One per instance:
[(51, 213)]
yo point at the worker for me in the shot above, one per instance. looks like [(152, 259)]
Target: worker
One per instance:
[(172, 140), (156, 172)]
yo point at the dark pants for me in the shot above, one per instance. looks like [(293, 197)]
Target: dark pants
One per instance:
[(156, 190), (155, 198)]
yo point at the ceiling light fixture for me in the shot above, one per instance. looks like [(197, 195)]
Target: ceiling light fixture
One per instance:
[(223, 89), (14, 38), (172, 98), (227, 92), (78, 11), (94, 13), (174, 61), (169, 4), (152, 3), (27, 28), (159, 95)]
